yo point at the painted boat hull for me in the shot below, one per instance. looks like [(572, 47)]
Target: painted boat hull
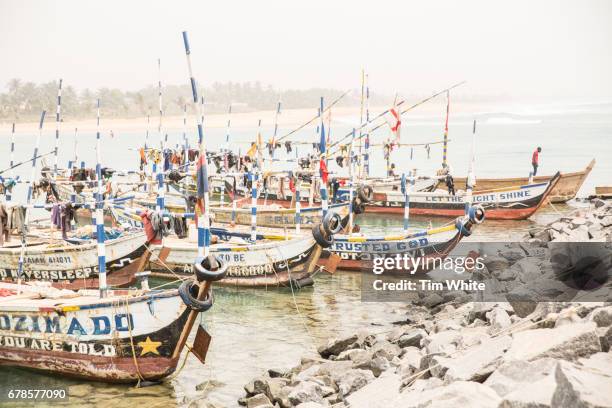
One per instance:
[(513, 203), (565, 190), (68, 263), (91, 339), (276, 263), (359, 256)]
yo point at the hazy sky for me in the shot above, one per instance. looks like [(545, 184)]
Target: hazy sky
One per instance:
[(517, 47)]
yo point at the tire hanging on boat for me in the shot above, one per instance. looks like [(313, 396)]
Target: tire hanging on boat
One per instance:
[(210, 269), (332, 223), (321, 237), (188, 291)]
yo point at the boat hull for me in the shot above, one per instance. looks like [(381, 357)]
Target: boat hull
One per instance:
[(120, 341), (276, 263), (565, 190)]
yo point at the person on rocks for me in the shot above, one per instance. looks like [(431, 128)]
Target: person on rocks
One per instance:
[(535, 159)]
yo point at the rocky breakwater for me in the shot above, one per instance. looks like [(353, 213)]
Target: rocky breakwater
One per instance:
[(584, 224), (537, 337)]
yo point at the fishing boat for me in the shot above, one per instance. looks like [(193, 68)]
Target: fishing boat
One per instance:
[(566, 189), (127, 336), (509, 203), (67, 260), (273, 260), (422, 249)]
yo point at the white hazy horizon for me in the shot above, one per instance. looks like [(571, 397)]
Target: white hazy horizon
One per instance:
[(526, 49)]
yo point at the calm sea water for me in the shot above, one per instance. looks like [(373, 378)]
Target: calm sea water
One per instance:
[(254, 330)]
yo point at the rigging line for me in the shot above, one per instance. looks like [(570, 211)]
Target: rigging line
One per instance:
[(314, 118), (403, 111)]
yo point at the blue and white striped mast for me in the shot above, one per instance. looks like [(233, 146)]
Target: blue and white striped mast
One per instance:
[(203, 221), (159, 206), (28, 200), (276, 114), (323, 150), (186, 149), (223, 153), (471, 178), (76, 158), (351, 183), (57, 125), (407, 185), (254, 176), (12, 173), (146, 152), (366, 144), (100, 236)]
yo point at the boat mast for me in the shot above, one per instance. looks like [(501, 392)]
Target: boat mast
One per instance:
[(366, 153), (57, 125), (471, 177), (360, 161), (323, 164), (202, 170), (100, 211), (160, 174), (24, 231), (12, 173), (444, 149)]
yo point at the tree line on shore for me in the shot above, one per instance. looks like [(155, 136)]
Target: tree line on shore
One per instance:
[(23, 101)]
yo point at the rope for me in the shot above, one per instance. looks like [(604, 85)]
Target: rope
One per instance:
[(140, 377)]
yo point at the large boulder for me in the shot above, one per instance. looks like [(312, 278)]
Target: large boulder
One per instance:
[(353, 380), (477, 363), (380, 393), (411, 338), (536, 394), (337, 345), (513, 254), (567, 342), (498, 319), (442, 342), (385, 349), (410, 361), (601, 316), (306, 391), (581, 387), (515, 375), (457, 394), (258, 401)]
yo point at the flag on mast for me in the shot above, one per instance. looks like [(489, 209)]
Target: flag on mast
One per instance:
[(322, 147), (394, 120)]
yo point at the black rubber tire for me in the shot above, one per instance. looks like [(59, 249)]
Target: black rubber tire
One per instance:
[(188, 291), (302, 283), (366, 193), (358, 207), (320, 238), (332, 223), (210, 269), (464, 231)]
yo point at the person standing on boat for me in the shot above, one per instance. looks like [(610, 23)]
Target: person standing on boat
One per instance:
[(535, 159), (447, 170)]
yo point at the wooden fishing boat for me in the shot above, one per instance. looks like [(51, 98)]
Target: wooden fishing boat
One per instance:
[(276, 261), (510, 203), (565, 190), (65, 261), (127, 336), (360, 252)]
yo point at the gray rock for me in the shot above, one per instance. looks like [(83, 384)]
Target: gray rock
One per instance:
[(495, 263), (567, 342), (527, 270), (601, 316), (599, 362), (277, 390), (499, 319), (337, 346), (352, 354), (310, 404), (536, 394), (513, 254), (515, 375), (598, 202), (503, 275), (447, 324), (305, 391), (410, 361), (523, 300), (558, 226), (353, 380), (606, 221), (307, 373), (256, 386), (432, 300), (428, 384), (605, 338), (380, 393), (335, 369), (439, 365), (386, 350), (378, 365), (276, 372), (581, 387), (477, 363), (457, 394), (480, 310), (412, 338), (258, 401), (417, 314), (442, 342)]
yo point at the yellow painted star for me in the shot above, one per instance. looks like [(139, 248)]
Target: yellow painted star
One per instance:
[(149, 346)]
